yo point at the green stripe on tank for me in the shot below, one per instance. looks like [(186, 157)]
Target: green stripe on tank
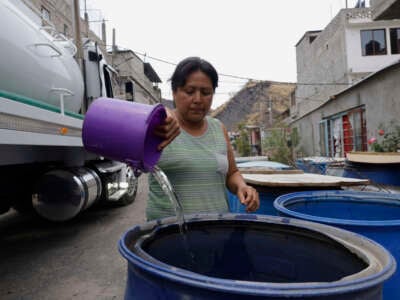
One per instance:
[(39, 104)]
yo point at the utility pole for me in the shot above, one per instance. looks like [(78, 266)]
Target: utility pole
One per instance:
[(78, 44), (114, 48), (103, 33), (346, 4), (77, 27), (270, 111), (86, 21)]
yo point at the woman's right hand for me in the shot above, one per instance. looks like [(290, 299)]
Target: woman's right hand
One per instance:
[(169, 130)]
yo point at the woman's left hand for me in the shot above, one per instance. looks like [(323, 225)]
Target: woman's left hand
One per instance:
[(249, 197)]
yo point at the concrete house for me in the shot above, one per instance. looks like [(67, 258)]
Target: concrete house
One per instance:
[(138, 80), (346, 121), (346, 82)]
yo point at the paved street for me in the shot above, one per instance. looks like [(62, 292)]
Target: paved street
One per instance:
[(78, 259)]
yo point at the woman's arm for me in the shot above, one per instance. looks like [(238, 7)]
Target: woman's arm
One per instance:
[(235, 182)]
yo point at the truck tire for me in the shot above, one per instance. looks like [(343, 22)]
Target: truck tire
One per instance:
[(23, 207), (23, 202), (4, 207), (130, 196)]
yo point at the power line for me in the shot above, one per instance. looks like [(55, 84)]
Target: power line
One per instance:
[(175, 64), (230, 75), (154, 58), (239, 77), (324, 83)]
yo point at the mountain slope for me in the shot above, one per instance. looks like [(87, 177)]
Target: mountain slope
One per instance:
[(251, 105)]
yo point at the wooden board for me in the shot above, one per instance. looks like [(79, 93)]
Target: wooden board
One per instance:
[(250, 158), (299, 180), (374, 157)]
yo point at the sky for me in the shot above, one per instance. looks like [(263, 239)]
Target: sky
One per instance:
[(242, 38)]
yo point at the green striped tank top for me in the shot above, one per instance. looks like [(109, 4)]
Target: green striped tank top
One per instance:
[(196, 166)]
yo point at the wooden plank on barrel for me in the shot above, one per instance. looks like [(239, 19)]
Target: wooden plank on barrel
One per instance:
[(305, 179), (374, 157)]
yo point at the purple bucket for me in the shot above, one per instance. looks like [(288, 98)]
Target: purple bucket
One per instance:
[(123, 131)]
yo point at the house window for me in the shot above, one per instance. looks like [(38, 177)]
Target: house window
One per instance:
[(45, 13), (324, 138), (65, 30), (344, 133), (395, 40), (359, 126), (130, 91), (293, 98), (373, 42)]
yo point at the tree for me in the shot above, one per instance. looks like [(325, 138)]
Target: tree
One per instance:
[(242, 141), (279, 142)]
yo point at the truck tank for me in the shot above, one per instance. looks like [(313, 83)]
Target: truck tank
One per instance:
[(45, 64), (43, 164)]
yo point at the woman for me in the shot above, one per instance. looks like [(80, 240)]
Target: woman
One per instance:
[(198, 160)]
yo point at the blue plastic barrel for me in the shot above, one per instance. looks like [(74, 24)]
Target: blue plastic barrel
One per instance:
[(301, 164), (374, 215), (251, 257), (267, 197), (386, 174), (266, 202), (317, 165)]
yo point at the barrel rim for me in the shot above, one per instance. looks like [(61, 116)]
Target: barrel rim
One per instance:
[(387, 263), (357, 196)]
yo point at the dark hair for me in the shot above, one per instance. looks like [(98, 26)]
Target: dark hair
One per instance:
[(190, 65)]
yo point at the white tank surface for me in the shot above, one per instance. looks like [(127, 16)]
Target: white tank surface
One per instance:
[(34, 63)]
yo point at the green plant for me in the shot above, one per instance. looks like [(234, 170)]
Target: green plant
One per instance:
[(387, 138), (243, 141), (279, 142)]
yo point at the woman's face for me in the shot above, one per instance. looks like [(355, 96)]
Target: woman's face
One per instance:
[(194, 99)]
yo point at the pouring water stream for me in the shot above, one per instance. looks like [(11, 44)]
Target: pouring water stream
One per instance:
[(166, 186)]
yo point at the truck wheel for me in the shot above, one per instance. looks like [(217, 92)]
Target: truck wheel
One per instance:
[(4, 207), (130, 196), (23, 206), (23, 201)]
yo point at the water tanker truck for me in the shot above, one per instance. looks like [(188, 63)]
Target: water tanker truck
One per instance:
[(43, 97)]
